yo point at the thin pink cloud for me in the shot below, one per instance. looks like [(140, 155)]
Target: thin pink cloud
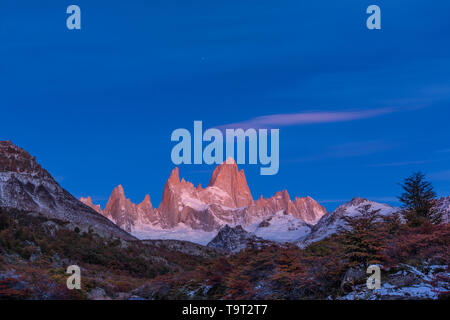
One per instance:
[(302, 118)]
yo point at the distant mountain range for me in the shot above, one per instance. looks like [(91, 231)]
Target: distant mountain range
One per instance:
[(201, 215), (194, 213)]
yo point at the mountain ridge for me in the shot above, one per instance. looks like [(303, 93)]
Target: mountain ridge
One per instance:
[(226, 200), (25, 185), (186, 212)]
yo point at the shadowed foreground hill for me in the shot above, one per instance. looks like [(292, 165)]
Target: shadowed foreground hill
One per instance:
[(35, 253)]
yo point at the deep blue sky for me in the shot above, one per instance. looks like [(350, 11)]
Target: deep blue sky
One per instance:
[(97, 106)]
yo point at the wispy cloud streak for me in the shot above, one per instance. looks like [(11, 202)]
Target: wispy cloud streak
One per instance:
[(304, 118)]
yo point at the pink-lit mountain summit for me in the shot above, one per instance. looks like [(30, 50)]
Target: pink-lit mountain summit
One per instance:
[(226, 200)]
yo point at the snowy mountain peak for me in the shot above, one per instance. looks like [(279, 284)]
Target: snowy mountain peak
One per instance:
[(356, 201), (331, 222)]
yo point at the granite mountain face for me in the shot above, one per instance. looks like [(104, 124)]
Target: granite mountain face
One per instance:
[(226, 200)]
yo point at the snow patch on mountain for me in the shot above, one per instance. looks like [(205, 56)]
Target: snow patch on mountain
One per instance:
[(280, 227), (188, 201), (332, 222)]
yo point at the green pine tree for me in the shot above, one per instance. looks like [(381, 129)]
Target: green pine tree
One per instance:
[(417, 200)]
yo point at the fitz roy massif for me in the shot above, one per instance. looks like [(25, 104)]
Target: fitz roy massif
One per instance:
[(187, 212)]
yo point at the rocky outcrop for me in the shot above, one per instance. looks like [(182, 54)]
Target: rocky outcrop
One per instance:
[(186, 247), (442, 205), (25, 185), (402, 282), (234, 239), (88, 201)]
